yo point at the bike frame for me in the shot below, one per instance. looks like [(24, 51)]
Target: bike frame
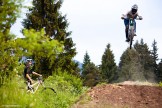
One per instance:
[(131, 27), (36, 86), (131, 31)]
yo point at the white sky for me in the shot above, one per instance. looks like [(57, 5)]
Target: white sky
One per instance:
[(95, 23)]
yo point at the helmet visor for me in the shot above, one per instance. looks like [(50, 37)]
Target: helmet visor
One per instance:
[(134, 11)]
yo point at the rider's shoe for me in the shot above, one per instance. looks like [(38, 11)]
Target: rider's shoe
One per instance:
[(127, 40), (135, 34), (30, 88)]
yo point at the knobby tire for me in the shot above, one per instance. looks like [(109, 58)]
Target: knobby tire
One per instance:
[(48, 88), (131, 43), (131, 38)]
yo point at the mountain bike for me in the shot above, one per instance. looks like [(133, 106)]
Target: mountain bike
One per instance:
[(32, 88), (131, 32)]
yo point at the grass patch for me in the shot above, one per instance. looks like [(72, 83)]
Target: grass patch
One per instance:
[(160, 84), (69, 88), (84, 99)]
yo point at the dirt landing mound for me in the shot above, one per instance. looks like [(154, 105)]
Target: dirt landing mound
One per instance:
[(122, 96)]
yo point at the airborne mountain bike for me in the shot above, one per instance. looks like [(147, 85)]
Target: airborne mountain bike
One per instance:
[(34, 87), (131, 32)]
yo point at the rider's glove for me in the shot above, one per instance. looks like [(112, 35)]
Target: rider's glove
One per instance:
[(122, 17), (140, 17)]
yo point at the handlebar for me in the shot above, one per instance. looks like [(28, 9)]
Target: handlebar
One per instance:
[(40, 78), (125, 17)]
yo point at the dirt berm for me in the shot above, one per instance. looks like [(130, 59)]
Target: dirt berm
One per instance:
[(121, 95)]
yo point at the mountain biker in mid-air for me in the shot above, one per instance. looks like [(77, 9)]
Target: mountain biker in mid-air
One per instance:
[(28, 71), (131, 14)]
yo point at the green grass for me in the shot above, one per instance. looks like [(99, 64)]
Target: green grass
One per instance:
[(160, 84), (68, 88)]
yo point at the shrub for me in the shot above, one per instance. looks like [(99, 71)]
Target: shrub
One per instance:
[(160, 84), (68, 87)]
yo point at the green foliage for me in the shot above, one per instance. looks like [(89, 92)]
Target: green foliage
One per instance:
[(108, 66), (38, 46), (155, 58), (12, 94), (146, 60), (8, 60), (86, 61), (68, 88), (160, 71), (63, 80), (9, 11), (92, 75), (137, 64), (90, 72), (160, 84), (154, 51), (45, 14), (130, 67)]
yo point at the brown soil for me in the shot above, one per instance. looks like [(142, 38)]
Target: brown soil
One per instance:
[(124, 95)]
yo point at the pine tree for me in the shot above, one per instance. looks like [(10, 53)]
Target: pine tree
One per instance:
[(86, 61), (155, 57), (92, 75), (108, 66), (45, 14), (146, 59), (130, 67), (160, 71)]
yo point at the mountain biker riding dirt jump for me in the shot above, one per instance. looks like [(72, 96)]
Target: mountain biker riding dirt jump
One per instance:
[(131, 14)]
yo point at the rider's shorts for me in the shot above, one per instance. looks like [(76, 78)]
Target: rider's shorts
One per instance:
[(126, 23)]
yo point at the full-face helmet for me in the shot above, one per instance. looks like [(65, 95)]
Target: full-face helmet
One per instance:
[(134, 8)]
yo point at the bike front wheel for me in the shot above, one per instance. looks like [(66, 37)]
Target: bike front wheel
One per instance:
[(48, 90), (131, 35)]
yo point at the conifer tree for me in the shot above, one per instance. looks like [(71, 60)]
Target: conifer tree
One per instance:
[(46, 14), (130, 67), (160, 71), (90, 72), (108, 66), (92, 75), (146, 59), (86, 61), (155, 57)]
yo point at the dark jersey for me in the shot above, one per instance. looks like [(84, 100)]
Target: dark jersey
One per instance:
[(28, 71)]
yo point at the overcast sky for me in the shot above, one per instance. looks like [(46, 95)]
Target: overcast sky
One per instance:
[(95, 23)]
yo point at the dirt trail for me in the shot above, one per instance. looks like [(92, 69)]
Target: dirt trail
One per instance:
[(125, 95)]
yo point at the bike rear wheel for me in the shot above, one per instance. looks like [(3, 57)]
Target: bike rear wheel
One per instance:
[(49, 95), (131, 35), (131, 43)]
